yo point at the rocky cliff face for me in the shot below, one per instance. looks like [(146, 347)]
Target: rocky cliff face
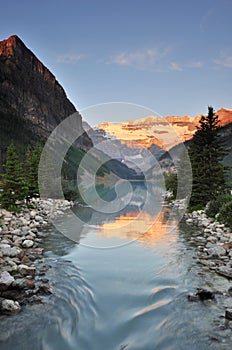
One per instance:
[(31, 98)]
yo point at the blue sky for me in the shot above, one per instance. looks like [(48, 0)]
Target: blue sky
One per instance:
[(173, 56)]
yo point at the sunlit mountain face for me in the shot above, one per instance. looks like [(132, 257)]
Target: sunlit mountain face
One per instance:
[(164, 132)]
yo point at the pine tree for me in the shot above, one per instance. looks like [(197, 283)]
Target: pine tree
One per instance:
[(14, 187), (184, 175), (206, 154), (31, 169)]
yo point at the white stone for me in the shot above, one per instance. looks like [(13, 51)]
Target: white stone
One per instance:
[(33, 214), (38, 218), (27, 243), (9, 306)]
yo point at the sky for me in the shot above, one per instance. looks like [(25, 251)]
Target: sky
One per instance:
[(171, 56)]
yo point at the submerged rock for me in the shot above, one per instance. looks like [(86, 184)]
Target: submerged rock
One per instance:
[(205, 294)]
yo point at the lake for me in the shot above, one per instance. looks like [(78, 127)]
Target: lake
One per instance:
[(121, 283)]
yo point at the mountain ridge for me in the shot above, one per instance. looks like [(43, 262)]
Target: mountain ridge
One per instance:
[(32, 101), (146, 131)]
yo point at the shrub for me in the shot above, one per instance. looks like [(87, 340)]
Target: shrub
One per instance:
[(195, 208), (225, 213), (214, 205)]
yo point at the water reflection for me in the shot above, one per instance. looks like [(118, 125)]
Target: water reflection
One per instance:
[(143, 226), (144, 219)]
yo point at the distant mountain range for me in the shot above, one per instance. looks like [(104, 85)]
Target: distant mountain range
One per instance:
[(164, 132), (141, 143), (33, 103)]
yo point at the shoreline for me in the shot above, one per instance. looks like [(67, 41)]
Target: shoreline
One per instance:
[(22, 272), (213, 242)]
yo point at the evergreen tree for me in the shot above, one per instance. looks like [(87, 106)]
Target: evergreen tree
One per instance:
[(31, 169), (184, 175), (14, 187), (206, 154)]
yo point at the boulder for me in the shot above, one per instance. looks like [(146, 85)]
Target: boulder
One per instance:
[(8, 306), (5, 280), (217, 251), (205, 294), (38, 218), (27, 243), (26, 270), (11, 252)]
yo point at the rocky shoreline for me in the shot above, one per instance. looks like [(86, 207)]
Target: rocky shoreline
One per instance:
[(22, 272), (214, 243)]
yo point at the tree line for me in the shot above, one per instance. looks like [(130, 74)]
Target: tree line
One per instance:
[(20, 179)]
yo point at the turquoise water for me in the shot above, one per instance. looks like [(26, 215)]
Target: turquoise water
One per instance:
[(118, 289)]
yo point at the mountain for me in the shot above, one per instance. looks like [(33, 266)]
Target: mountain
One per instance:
[(163, 132), (32, 102), (136, 158)]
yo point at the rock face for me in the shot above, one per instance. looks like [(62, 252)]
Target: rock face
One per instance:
[(30, 88), (31, 99)]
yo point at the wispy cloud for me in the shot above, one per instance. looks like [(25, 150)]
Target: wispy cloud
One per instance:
[(175, 67), (69, 59), (147, 59), (224, 60), (196, 64), (153, 60)]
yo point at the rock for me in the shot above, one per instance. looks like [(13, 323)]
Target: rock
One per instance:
[(205, 222), (6, 213), (27, 243), (38, 218), (230, 291), (228, 314), (207, 262), (26, 270), (211, 239), (225, 271), (4, 245), (217, 251), (45, 290), (9, 306), (33, 214), (5, 280), (17, 232), (19, 283), (11, 252), (30, 284), (204, 294), (193, 297)]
